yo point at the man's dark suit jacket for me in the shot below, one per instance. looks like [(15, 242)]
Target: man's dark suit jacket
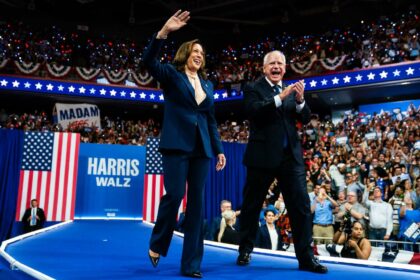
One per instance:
[(183, 117), (264, 241), (269, 124), (39, 223)]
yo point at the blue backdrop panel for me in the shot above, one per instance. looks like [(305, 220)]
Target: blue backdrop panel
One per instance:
[(110, 181)]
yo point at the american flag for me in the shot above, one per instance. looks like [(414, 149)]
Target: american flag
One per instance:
[(49, 174), (153, 182)]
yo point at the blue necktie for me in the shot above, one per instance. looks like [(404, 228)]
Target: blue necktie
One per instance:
[(33, 218), (277, 90)]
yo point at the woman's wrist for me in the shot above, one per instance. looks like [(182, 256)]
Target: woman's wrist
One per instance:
[(162, 34)]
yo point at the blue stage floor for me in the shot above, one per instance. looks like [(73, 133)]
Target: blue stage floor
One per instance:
[(87, 249)]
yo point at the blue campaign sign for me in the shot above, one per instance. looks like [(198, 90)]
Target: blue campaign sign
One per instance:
[(110, 181)]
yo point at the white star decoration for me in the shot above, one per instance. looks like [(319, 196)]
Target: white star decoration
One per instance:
[(371, 76), (313, 83), (383, 74), (410, 71), (346, 79), (361, 77)]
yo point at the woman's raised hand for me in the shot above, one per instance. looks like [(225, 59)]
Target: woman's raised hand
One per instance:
[(175, 22)]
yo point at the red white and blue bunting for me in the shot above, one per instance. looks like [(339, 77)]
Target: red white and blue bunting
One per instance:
[(3, 63), (303, 67), (332, 63), (141, 79), (328, 63), (115, 77), (58, 71), (87, 74), (27, 68)]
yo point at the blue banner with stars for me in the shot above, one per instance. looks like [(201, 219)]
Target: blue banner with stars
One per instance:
[(364, 77)]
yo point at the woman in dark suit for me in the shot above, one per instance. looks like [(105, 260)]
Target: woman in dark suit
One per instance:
[(189, 139)]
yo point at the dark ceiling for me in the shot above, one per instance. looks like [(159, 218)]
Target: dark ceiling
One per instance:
[(217, 22)]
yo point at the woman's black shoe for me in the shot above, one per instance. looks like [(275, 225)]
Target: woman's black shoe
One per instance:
[(154, 260), (196, 274)]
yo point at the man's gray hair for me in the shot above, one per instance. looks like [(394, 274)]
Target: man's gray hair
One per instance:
[(272, 52), (224, 201)]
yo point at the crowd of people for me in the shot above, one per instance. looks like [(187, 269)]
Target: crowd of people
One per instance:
[(364, 191), (384, 41), (372, 178)]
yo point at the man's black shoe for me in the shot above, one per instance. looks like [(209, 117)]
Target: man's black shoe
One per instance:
[(313, 265), (196, 274), (243, 259)]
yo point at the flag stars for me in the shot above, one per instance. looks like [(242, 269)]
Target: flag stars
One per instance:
[(50, 87), (371, 76), (60, 88), (38, 85), (324, 82), (359, 78), (383, 74), (396, 73), (346, 79), (313, 83), (82, 90), (71, 88), (409, 71), (335, 81), (15, 83)]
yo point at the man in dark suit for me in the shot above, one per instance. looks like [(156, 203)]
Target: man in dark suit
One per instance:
[(33, 218), (274, 151)]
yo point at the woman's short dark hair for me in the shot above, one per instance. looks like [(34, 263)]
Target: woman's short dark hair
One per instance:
[(184, 52)]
